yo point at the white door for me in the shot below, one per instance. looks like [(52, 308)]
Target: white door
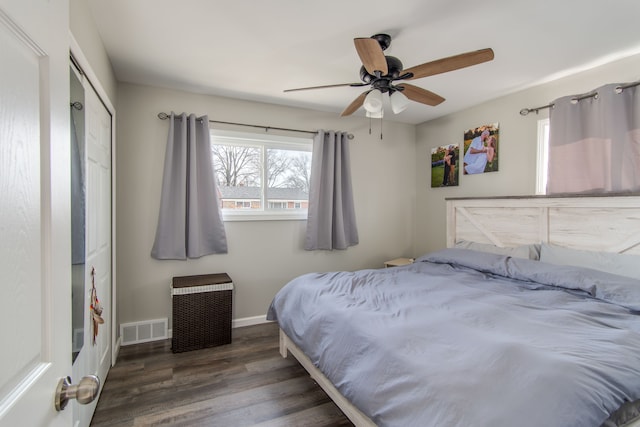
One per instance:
[(94, 357), (35, 249)]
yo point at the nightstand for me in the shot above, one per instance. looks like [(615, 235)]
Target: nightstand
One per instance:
[(398, 262)]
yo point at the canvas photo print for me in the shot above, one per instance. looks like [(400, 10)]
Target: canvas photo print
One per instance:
[(481, 150), (444, 165)]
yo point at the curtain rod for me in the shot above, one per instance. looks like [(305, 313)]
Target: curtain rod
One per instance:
[(165, 116), (617, 89)]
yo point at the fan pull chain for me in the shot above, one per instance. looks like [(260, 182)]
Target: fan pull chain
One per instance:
[(370, 120)]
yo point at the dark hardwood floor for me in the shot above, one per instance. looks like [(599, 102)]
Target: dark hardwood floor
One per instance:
[(246, 383)]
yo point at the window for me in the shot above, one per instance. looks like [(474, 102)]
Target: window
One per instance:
[(261, 176), (543, 156)]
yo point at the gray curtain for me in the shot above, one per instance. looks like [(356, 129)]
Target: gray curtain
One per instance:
[(594, 143), (189, 222), (331, 222)]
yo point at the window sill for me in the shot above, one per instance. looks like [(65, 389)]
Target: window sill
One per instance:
[(264, 216)]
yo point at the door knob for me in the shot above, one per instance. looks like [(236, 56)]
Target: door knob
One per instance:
[(84, 392)]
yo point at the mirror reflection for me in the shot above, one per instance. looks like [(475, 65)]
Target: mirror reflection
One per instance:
[(77, 214)]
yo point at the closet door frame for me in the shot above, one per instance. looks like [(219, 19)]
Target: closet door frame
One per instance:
[(83, 63)]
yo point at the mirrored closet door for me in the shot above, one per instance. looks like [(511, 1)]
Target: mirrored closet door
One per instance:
[(91, 232)]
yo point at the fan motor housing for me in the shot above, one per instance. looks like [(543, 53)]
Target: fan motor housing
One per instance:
[(384, 40), (394, 66)]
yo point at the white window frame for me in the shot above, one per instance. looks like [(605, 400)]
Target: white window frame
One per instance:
[(264, 141), (542, 165)]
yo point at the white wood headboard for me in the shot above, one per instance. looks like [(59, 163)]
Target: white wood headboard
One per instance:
[(607, 224)]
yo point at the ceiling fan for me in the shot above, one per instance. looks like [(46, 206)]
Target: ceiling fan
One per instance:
[(385, 74)]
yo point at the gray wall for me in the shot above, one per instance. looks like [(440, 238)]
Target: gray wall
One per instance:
[(263, 255), (83, 29), (517, 146)]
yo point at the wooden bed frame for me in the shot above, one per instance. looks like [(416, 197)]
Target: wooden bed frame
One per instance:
[(351, 412), (607, 224)]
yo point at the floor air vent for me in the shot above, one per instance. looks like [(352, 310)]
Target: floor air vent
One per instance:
[(145, 331)]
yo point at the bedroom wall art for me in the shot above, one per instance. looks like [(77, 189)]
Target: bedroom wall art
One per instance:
[(445, 165), (481, 149)]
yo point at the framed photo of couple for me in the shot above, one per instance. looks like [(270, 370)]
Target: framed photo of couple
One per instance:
[(480, 150), (444, 165)]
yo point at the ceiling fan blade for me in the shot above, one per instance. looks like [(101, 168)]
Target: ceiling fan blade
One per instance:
[(418, 94), (371, 55), (326, 86), (449, 64), (357, 103)]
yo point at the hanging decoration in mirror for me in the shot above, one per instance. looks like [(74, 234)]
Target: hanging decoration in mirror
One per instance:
[(96, 307)]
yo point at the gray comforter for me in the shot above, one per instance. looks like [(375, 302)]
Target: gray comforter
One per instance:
[(462, 338)]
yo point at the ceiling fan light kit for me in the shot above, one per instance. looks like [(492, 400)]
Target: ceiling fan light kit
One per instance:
[(373, 101), (375, 114), (399, 102), (381, 72)]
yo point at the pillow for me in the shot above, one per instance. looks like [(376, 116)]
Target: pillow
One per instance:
[(485, 262), (620, 264), (613, 288), (605, 286), (524, 251)]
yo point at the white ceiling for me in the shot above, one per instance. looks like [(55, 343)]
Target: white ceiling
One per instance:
[(254, 49)]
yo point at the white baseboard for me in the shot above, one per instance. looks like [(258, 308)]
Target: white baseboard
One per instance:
[(249, 321), (239, 323), (235, 323)]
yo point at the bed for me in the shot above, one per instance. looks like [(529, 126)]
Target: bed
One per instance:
[(530, 317)]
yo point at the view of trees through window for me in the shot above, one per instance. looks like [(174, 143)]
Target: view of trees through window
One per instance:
[(242, 168), (237, 165)]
